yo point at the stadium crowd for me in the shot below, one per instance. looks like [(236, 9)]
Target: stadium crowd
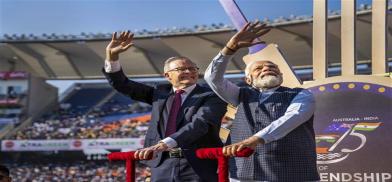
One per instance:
[(74, 172), (69, 124)]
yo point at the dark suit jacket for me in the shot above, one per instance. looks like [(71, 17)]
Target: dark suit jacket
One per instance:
[(198, 121)]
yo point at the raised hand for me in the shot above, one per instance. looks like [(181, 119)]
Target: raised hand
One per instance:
[(246, 36), (118, 45)]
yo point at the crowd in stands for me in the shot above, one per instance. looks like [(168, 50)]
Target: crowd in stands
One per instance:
[(75, 172), (63, 125), (68, 122)]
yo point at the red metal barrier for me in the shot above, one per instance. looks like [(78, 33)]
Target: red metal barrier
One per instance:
[(217, 154), (204, 153), (130, 162)]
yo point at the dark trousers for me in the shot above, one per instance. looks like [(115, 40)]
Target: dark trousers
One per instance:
[(174, 170)]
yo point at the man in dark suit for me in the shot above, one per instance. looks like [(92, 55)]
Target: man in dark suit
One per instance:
[(185, 116)]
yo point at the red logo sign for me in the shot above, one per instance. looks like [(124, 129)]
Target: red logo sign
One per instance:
[(9, 144), (77, 143)]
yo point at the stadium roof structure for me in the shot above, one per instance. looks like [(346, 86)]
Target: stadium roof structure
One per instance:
[(81, 57)]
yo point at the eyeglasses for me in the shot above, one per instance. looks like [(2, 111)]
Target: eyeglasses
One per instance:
[(183, 69)]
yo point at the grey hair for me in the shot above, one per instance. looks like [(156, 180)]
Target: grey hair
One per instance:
[(248, 66), (175, 58)]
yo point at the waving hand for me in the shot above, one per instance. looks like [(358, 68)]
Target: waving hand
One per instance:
[(118, 45)]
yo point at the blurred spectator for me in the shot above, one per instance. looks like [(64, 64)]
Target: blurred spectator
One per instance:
[(4, 174), (11, 93)]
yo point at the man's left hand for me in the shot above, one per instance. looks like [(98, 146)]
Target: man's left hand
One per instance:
[(250, 142)]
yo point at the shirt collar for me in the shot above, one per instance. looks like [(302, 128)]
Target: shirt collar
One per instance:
[(186, 89)]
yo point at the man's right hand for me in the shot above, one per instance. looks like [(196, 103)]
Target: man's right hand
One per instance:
[(250, 142), (246, 37), (143, 154), (118, 45)]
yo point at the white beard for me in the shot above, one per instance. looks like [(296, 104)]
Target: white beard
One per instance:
[(267, 82)]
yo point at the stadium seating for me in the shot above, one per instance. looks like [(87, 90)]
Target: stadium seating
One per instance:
[(79, 116), (74, 171)]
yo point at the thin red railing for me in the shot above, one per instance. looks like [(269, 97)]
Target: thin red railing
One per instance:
[(203, 153), (129, 162), (223, 164)]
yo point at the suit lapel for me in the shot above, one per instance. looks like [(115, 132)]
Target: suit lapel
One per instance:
[(192, 98), (162, 100)]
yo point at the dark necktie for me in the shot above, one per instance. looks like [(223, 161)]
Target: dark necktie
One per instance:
[(175, 107)]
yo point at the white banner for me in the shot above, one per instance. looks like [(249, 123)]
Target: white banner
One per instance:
[(72, 144), (34, 145), (111, 143)]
